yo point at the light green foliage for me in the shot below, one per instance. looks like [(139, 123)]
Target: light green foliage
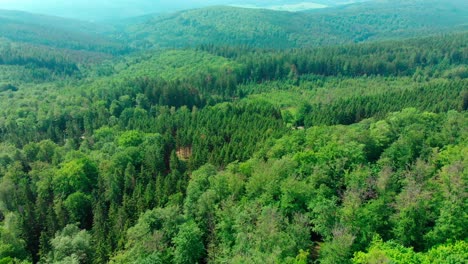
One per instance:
[(295, 194), (381, 133), (153, 147), (242, 234), (102, 136), (153, 233), (448, 253), (77, 175), (265, 237), (338, 249), (264, 185), (391, 252), (71, 245), (411, 218), (453, 217), (198, 200), (188, 244), (12, 247), (179, 64), (131, 138)]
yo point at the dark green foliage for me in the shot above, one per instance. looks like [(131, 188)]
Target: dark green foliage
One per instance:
[(424, 96), (8, 87), (79, 208)]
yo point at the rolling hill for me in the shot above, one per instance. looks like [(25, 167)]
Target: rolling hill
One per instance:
[(57, 32), (114, 10), (253, 27), (358, 22)]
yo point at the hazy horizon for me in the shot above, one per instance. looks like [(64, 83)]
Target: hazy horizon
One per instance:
[(108, 9)]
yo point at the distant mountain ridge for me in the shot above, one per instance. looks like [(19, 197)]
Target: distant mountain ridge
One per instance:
[(52, 21), (223, 25), (328, 26), (117, 9), (56, 32)]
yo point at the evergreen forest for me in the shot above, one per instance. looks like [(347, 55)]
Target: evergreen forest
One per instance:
[(235, 135)]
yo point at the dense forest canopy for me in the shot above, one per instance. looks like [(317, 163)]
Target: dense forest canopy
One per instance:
[(233, 135)]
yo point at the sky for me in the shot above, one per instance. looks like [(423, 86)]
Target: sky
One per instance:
[(114, 9)]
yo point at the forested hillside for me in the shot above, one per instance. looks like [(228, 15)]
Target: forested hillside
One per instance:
[(106, 10), (272, 29), (237, 148), (58, 32), (233, 26)]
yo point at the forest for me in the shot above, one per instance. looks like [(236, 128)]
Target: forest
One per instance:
[(113, 150), (370, 21)]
